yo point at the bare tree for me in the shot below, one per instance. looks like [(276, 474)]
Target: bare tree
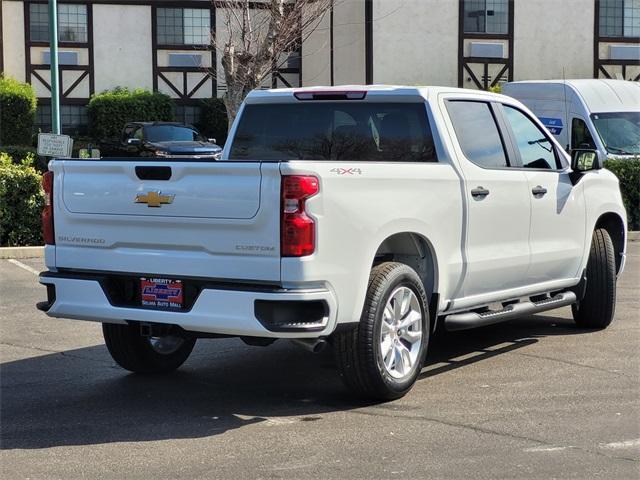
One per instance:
[(257, 39)]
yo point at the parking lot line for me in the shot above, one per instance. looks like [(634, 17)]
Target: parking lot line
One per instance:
[(23, 266), (625, 444)]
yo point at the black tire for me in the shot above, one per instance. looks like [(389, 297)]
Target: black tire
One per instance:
[(358, 351), (134, 352), (597, 308)]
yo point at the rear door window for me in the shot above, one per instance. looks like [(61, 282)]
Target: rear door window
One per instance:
[(327, 130), (477, 133)]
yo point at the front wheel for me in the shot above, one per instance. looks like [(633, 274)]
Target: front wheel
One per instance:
[(141, 354), (382, 357), (598, 306)]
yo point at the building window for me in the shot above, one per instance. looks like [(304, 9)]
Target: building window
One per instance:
[(486, 16), (39, 22), (72, 23), (620, 18), (188, 114), (183, 26), (43, 118), (73, 119)]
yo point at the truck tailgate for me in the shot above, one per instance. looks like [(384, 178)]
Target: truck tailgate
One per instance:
[(201, 219)]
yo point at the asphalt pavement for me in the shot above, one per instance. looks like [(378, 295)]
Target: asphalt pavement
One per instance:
[(532, 398)]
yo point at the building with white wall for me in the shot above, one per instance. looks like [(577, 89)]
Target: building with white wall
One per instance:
[(164, 45)]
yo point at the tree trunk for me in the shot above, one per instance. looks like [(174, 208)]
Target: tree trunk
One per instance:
[(233, 100), (259, 44), (242, 74)]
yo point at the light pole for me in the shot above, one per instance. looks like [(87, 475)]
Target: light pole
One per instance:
[(53, 50)]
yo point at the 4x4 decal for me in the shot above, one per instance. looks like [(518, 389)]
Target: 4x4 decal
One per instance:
[(346, 171)]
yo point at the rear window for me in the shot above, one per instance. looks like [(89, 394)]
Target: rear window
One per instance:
[(391, 132)]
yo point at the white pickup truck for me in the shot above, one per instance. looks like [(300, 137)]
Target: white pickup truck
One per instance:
[(358, 216)]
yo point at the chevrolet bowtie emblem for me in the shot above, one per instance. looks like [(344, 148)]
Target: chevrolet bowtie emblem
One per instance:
[(154, 199)]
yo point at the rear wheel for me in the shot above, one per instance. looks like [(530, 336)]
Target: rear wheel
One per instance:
[(141, 354), (383, 356), (598, 306)]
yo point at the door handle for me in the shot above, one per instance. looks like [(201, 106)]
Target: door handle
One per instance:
[(479, 192), (153, 172), (539, 191)]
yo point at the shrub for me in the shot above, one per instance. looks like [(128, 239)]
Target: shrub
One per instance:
[(17, 112), (213, 120), (21, 201), (109, 111), (628, 172), (20, 153)]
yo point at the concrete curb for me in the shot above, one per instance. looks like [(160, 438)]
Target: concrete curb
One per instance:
[(21, 252), (38, 252)]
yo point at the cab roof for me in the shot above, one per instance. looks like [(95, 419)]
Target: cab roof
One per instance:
[(379, 92)]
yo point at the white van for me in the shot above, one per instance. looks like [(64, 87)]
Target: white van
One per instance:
[(600, 114)]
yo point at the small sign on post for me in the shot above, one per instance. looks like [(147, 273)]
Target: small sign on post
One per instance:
[(52, 145)]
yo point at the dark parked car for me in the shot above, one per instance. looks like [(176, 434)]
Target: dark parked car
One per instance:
[(161, 139)]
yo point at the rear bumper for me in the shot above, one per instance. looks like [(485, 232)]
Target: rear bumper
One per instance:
[(229, 311)]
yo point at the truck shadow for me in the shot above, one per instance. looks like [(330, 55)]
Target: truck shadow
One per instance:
[(79, 397)]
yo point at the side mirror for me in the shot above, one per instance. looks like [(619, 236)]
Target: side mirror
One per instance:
[(583, 160), (134, 141)]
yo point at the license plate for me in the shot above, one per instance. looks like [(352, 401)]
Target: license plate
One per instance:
[(161, 293)]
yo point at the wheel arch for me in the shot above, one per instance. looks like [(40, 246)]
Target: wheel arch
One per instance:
[(417, 251), (614, 225)]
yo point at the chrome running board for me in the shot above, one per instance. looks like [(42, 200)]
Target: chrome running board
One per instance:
[(464, 321)]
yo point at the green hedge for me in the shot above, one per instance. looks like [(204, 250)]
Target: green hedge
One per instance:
[(18, 152), (213, 121), (628, 172), (21, 201), (17, 112), (21, 153), (109, 111)]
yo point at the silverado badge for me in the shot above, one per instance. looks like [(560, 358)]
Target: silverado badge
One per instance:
[(154, 199)]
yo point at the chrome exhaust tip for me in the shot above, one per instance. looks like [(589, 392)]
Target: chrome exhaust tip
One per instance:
[(313, 345)]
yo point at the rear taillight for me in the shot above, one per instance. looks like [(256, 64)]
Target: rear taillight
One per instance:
[(298, 230), (47, 211)]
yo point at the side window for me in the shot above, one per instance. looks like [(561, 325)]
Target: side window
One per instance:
[(126, 134), (138, 134), (536, 150), (478, 133), (580, 135)]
